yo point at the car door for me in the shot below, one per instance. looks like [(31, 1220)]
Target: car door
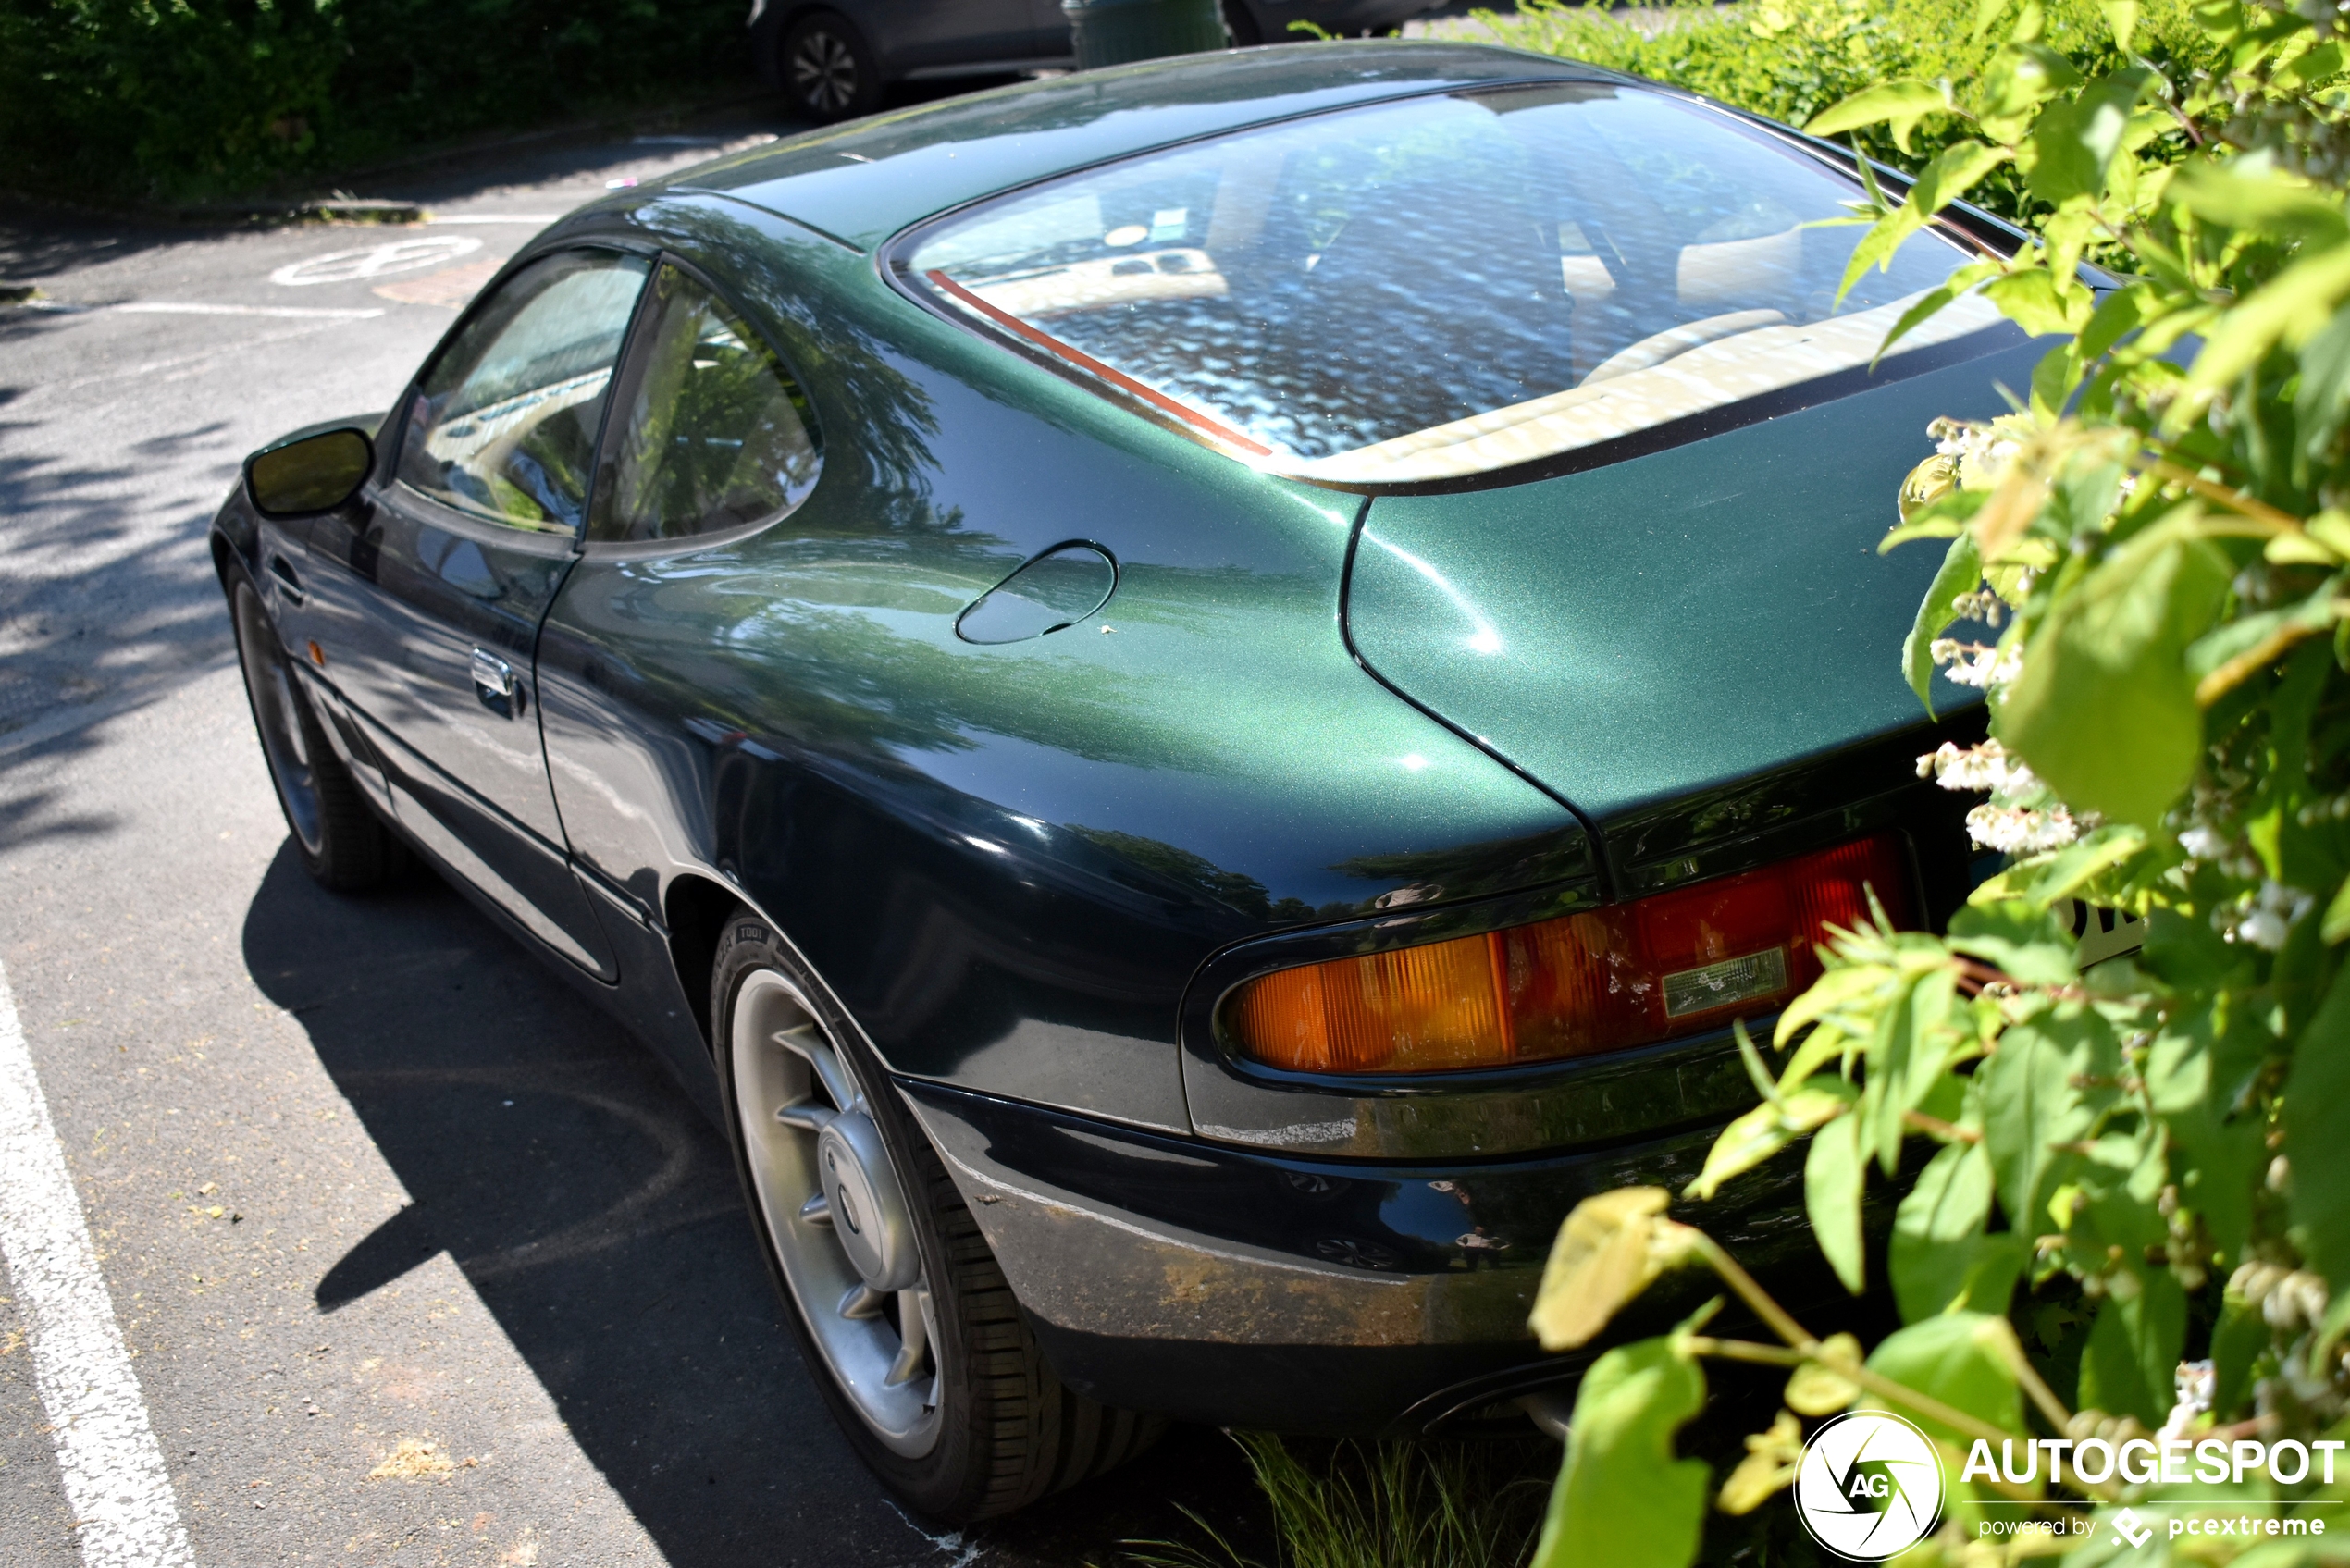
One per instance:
[(427, 598), (712, 441), (927, 34)]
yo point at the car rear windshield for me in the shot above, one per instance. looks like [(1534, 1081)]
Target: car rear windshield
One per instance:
[(1447, 285)]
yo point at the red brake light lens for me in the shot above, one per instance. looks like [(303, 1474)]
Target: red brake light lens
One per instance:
[(1627, 974)]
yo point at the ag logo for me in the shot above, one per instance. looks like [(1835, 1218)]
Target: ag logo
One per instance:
[(1870, 1485)]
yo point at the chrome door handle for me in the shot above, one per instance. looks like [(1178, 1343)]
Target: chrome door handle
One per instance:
[(288, 583), (494, 682)]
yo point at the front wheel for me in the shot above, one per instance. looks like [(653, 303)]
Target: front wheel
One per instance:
[(342, 844), (900, 1308)]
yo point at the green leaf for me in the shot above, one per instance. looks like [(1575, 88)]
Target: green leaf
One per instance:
[(2022, 938), (1765, 1131), (1957, 1358), (2105, 709), (2317, 1131), (2237, 1340), (1833, 1173), (1900, 105), (1622, 1497), (2121, 16), (1609, 1249), (1961, 571), (1940, 1257), (2021, 75), (1953, 172), (2130, 1364), (2261, 199), (2115, 318), (2289, 308), (1906, 1059), (1958, 283), (2305, 70), (2040, 303), (2087, 857), (2032, 1102), (2276, 629), (2324, 398), (2073, 142)]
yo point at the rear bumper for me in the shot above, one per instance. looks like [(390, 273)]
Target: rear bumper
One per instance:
[(1311, 1295)]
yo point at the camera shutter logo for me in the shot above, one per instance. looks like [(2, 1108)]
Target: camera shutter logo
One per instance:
[(1870, 1486)]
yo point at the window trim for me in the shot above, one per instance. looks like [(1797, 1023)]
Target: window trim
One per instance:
[(1965, 227), (624, 374), (481, 529)]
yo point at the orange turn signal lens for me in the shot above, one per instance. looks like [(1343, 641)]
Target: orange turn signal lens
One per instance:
[(1607, 980)]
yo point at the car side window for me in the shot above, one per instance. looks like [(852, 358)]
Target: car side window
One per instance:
[(711, 431), (504, 427)]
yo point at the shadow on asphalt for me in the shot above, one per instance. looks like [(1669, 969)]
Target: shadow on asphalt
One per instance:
[(594, 1212)]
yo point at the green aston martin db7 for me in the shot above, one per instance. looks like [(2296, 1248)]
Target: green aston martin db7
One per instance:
[(1188, 697)]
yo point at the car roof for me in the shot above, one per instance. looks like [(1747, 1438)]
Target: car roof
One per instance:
[(862, 182)]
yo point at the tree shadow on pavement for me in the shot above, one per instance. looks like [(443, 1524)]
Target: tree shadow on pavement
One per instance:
[(594, 1212)]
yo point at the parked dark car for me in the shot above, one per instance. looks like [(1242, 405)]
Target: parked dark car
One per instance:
[(833, 60), (1187, 699)]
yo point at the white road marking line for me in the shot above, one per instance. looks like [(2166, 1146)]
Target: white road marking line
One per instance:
[(493, 217), (376, 261), (153, 307), (126, 1515), (159, 307)]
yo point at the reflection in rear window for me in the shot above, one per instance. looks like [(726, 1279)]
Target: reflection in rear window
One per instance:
[(1447, 285)]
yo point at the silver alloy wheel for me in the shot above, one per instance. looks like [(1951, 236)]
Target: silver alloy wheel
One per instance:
[(832, 1202), (277, 715), (823, 72)]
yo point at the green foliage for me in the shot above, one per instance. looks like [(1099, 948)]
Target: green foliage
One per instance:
[(1883, 66), (1380, 1505), (1620, 1464), (184, 99), (2141, 1161)]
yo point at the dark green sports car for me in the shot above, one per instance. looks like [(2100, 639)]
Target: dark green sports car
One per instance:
[(1188, 699)]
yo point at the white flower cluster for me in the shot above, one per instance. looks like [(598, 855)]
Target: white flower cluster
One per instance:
[(1979, 445), (1985, 607), (2013, 830), (1977, 664), (2264, 918), (1986, 767), (2204, 842)]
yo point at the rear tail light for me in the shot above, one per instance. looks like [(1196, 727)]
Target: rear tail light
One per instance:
[(1625, 975)]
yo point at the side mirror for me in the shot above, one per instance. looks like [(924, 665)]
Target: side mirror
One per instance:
[(315, 474)]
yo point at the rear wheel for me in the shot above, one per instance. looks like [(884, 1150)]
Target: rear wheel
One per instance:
[(827, 70), (1241, 26), (342, 844), (917, 1342)]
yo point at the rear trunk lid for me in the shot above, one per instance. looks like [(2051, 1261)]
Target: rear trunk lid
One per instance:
[(1702, 639)]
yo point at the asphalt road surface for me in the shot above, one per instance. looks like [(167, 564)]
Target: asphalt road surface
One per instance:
[(414, 1258)]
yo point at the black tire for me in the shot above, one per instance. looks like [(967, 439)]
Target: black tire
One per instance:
[(343, 845), (1241, 26), (1006, 1431), (826, 69)]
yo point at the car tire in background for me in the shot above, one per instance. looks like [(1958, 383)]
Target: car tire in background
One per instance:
[(1241, 26), (826, 69), (343, 844), (916, 1340)]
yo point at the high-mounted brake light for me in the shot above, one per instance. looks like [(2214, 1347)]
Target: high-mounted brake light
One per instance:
[(1623, 975)]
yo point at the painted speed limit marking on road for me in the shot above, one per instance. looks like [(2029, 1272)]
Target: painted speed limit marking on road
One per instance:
[(379, 261)]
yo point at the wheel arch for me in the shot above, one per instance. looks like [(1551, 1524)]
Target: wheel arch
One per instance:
[(695, 911)]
